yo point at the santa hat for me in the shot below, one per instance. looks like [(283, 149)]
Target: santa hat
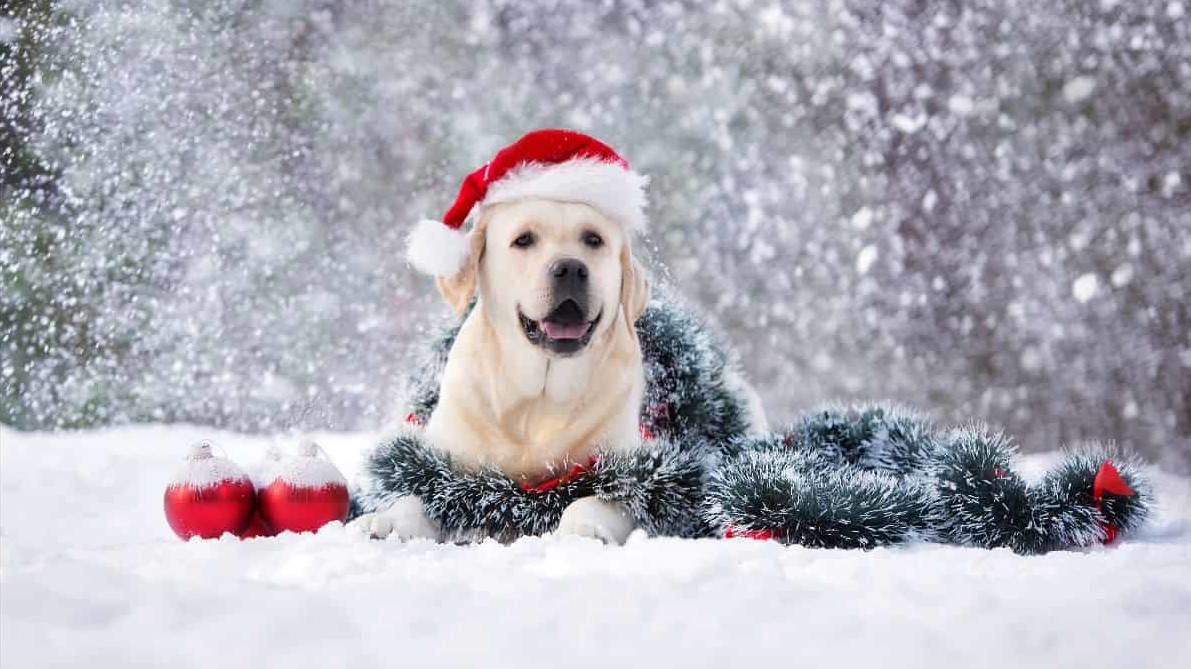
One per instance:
[(552, 164)]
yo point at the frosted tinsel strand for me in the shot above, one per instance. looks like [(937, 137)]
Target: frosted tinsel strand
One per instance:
[(862, 476), (842, 476), (981, 502), (805, 499), (423, 385), (877, 437), (1065, 495), (685, 370), (660, 484)]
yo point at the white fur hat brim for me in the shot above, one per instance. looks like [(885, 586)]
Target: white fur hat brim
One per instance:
[(607, 186), (438, 250)]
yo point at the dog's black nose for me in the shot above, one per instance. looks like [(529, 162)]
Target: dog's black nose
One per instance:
[(569, 274), (569, 268)]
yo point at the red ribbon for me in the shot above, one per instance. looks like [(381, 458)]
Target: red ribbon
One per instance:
[(578, 469), (1108, 480), (733, 532), (569, 475)]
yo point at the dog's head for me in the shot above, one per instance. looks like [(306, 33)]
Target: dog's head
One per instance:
[(558, 274)]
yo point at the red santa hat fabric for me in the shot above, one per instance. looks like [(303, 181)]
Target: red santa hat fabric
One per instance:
[(553, 164)]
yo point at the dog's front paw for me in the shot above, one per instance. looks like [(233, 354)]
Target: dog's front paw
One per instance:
[(405, 519), (595, 518)]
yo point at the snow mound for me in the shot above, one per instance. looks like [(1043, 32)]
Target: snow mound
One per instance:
[(91, 575)]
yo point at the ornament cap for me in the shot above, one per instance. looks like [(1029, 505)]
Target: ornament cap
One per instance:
[(308, 449), (200, 450)]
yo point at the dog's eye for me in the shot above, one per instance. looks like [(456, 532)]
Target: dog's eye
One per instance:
[(593, 240), (524, 241)]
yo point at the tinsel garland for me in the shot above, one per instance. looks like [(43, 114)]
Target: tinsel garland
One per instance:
[(840, 477), (660, 484), (872, 475)]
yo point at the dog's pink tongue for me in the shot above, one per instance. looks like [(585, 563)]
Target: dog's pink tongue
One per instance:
[(560, 331)]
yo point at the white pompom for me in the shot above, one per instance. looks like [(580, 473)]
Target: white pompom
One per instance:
[(433, 248)]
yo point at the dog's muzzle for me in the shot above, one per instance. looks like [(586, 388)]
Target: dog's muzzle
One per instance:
[(566, 329)]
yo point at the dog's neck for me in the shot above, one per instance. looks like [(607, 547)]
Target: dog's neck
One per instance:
[(505, 403), (524, 376)]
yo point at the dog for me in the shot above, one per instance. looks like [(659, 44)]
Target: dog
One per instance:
[(546, 369)]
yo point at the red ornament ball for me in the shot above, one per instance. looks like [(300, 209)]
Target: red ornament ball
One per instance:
[(256, 527), (302, 493), (208, 496)]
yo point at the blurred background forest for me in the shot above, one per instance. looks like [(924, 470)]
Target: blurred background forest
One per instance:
[(981, 208)]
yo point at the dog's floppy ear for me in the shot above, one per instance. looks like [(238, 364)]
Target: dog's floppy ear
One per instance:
[(458, 290), (634, 286)]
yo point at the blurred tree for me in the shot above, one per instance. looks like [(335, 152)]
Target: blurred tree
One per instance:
[(44, 316)]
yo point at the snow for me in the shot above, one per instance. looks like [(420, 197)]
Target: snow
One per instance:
[(862, 218), (1079, 89), (961, 105), (91, 575), (9, 29), (909, 124), (865, 259), (1085, 287), (1122, 275), (929, 201)]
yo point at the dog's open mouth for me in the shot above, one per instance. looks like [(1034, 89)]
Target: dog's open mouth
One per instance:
[(564, 330)]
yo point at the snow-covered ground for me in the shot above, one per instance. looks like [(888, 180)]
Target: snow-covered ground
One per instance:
[(90, 574)]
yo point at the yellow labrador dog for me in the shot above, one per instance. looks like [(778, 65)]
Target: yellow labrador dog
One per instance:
[(546, 368)]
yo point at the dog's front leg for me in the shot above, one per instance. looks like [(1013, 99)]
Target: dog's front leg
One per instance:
[(596, 519), (405, 519)]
